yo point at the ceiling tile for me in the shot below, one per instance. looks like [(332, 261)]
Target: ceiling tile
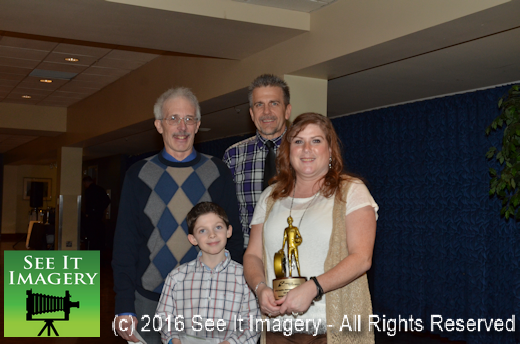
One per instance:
[(63, 100), (71, 95), (21, 53), (61, 67), (15, 78), (36, 80), (57, 103), (60, 58), (5, 61), (52, 74), (39, 86), (130, 55), (21, 100), (106, 71), (95, 78), (81, 50), (27, 43), (124, 64), (31, 91), (47, 102), (5, 89), (71, 87), (34, 83), (91, 84), (13, 95), (15, 70), (8, 83)]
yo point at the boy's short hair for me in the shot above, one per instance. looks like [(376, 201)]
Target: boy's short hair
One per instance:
[(204, 208)]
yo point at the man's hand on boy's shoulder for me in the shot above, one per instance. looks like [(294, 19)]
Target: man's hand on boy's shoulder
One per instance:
[(175, 341), (126, 326)]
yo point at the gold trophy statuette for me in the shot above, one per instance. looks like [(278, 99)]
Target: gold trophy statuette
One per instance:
[(283, 284)]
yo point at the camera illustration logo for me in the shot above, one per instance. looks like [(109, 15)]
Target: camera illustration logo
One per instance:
[(39, 303), (48, 287)]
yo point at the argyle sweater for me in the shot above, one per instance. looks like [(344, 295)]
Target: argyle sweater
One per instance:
[(151, 232)]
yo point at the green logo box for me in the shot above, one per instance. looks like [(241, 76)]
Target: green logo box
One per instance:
[(51, 293)]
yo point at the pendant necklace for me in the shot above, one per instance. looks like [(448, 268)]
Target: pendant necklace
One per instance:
[(294, 263), (290, 219)]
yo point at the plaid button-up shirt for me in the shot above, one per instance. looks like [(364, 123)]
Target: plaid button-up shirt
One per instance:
[(193, 293), (246, 160)]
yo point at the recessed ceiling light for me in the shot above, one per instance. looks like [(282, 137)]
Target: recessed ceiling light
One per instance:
[(48, 81), (26, 96), (71, 59)]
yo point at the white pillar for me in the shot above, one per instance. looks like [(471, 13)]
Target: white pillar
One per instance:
[(70, 160)]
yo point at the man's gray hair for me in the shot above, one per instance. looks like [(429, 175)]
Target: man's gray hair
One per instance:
[(173, 93), (269, 80)]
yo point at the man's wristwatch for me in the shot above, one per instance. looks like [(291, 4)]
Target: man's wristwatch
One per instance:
[(319, 288)]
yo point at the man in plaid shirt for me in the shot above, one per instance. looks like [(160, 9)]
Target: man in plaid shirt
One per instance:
[(207, 300), (270, 108)]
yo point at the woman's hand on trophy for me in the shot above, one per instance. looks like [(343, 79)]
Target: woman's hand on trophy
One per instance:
[(298, 300), (267, 301)]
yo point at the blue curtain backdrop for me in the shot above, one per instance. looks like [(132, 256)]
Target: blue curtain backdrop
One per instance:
[(441, 247)]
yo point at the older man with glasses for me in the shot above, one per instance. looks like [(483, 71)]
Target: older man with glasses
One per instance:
[(158, 192)]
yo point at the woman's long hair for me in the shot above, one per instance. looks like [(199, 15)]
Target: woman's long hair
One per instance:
[(286, 175)]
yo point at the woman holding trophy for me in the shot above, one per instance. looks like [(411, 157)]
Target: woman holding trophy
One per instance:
[(328, 220)]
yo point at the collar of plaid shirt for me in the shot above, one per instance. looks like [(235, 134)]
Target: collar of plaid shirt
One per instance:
[(260, 142), (220, 266)]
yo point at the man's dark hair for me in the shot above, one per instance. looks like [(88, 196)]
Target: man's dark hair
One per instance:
[(269, 80), (204, 208), (88, 179)]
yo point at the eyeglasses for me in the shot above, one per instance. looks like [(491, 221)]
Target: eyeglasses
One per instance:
[(176, 120)]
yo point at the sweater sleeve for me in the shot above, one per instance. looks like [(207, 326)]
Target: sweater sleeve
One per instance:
[(126, 248), (224, 194)]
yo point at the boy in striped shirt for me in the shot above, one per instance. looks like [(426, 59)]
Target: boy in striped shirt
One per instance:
[(208, 300)]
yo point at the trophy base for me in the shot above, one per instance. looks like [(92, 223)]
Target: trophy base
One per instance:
[(281, 286)]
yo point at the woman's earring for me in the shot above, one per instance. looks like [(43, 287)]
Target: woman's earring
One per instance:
[(330, 162)]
